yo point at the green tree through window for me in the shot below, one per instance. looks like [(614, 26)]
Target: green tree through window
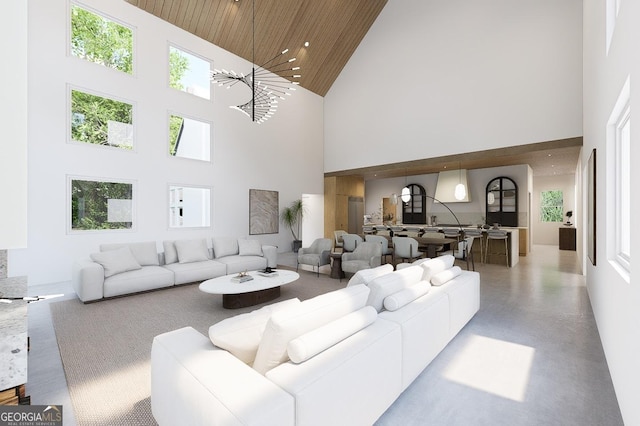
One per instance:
[(551, 206), (97, 205), (101, 41)]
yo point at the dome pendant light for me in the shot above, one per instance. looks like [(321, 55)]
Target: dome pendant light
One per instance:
[(460, 193)]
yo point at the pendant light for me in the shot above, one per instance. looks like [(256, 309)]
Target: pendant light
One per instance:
[(461, 190), (405, 195)]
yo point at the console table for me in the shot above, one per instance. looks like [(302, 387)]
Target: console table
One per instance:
[(567, 238), (13, 342)]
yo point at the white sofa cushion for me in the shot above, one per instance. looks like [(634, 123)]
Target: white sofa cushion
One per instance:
[(436, 265), (445, 276), (224, 247), (241, 335), (403, 297), (170, 253), (249, 247), (192, 250), (293, 322), (365, 276), (393, 282), (414, 263), (145, 253), (312, 343), (116, 261)]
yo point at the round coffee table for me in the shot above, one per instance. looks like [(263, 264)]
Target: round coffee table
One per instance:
[(259, 290)]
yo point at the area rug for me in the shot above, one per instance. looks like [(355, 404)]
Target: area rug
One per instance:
[(105, 346)]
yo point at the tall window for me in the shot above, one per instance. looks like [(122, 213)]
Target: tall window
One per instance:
[(100, 205), (414, 211), (101, 121), (551, 206), (619, 182), (101, 41)]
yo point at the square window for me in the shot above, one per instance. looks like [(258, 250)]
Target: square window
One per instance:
[(97, 205), (189, 73)]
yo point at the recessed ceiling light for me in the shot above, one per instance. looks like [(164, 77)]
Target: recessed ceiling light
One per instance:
[(306, 44)]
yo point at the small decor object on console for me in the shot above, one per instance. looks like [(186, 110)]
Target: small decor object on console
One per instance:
[(268, 272), (569, 215), (242, 277)]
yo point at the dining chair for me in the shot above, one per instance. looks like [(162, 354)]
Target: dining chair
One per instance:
[(477, 235), (405, 248), (439, 250), (465, 251), (384, 242), (350, 242)]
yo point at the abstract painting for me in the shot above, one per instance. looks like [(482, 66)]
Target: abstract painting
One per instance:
[(263, 212)]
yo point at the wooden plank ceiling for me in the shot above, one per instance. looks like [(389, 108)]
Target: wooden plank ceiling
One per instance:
[(333, 29)]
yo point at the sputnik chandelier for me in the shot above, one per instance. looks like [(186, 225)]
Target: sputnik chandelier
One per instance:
[(267, 85)]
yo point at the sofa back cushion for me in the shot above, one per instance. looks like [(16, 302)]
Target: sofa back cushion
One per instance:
[(170, 253), (224, 247), (192, 250), (145, 253), (249, 247), (365, 276), (393, 282), (291, 323), (240, 335), (116, 261), (436, 265)]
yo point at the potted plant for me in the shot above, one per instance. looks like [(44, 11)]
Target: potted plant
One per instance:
[(292, 217)]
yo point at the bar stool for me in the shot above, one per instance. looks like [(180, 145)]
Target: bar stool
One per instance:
[(497, 235), (477, 235)]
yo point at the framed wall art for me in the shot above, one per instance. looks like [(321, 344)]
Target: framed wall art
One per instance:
[(263, 212)]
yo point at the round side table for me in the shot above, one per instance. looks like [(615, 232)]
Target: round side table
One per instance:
[(336, 265)]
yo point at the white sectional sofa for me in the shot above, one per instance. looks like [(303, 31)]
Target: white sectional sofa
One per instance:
[(120, 269), (341, 358)]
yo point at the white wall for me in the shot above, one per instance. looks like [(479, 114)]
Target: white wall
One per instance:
[(433, 78), (245, 155), (547, 232), (13, 122), (473, 212), (615, 302)]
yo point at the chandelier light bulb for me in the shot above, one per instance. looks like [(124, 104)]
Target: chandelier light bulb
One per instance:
[(460, 192)]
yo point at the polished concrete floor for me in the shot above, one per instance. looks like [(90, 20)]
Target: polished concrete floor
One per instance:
[(531, 356)]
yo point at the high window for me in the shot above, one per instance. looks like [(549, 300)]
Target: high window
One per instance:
[(101, 40), (189, 73), (189, 207), (189, 138), (100, 120), (100, 204)]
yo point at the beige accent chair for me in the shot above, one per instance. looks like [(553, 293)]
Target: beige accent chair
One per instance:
[(337, 235), (316, 255), (367, 255), (406, 248)]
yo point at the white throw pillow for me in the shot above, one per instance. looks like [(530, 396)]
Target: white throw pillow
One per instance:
[(224, 247), (249, 247), (406, 296), (365, 276), (312, 343), (446, 275), (391, 283), (146, 253), (414, 263), (116, 261), (241, 335), (192, 250), (170, 253), (288, 324), (436, 265)]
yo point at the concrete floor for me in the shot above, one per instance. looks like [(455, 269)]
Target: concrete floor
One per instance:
[(531, 356)]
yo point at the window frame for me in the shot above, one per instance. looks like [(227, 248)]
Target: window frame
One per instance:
[(200, 120), (70, 140), (173, 45), (109, 18), (69, 204), (173, 205)]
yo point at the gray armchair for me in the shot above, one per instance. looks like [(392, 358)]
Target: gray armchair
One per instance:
[(366, 255), (317, 254), (350, 242), (384, 244)]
